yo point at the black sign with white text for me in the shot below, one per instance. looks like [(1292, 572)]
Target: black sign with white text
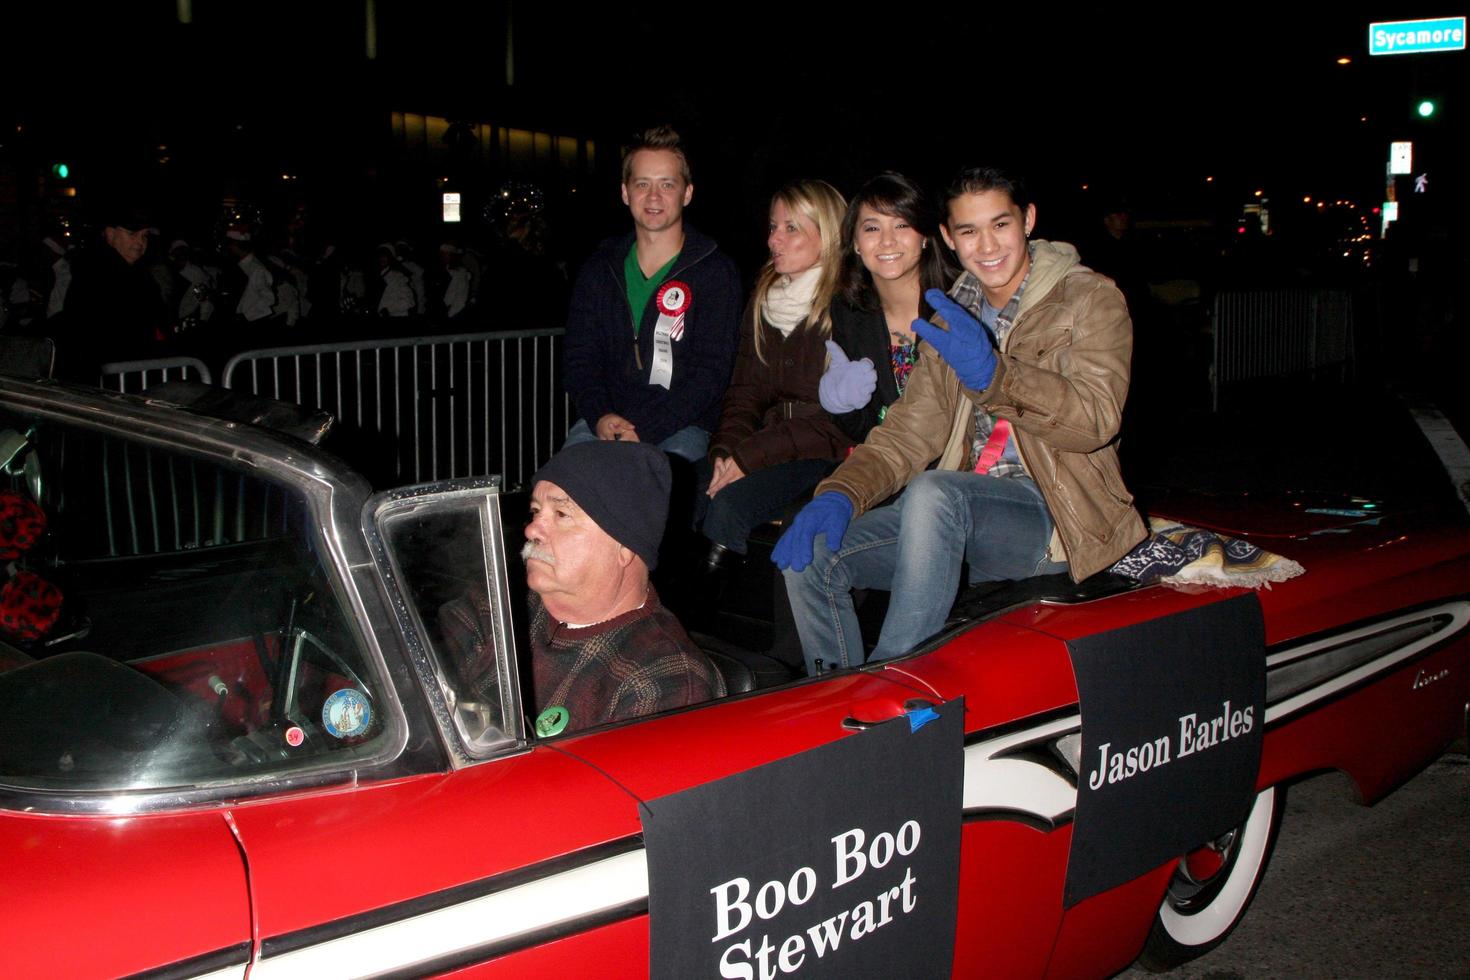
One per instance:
[(842, 861), (1173, 712)]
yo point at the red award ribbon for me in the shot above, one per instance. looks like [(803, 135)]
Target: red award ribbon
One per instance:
[(673, 298)]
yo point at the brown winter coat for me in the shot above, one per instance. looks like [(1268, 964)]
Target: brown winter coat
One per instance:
[(772, 414)]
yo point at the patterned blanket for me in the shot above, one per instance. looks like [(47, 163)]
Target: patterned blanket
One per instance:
[(1179, 554)]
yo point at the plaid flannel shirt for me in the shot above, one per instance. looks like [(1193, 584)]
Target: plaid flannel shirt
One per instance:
[(630, 666)]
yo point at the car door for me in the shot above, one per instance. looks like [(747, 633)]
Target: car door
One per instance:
[(105, 895)]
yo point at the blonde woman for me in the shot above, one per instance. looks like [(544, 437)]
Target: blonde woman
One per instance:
[(775, 441)]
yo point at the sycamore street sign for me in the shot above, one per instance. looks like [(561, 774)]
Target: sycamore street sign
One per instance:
[(1417, 36)]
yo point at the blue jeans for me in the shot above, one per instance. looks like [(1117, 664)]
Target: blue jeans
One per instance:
[(742, 506), (690, 442), (916, 549)]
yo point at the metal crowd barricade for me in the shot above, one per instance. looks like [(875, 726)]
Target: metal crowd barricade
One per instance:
[(154, 501), (135, 376), (421, 409), (1275, 333), (151, 501)]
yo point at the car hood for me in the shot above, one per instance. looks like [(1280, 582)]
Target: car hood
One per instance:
[(1276, 514)]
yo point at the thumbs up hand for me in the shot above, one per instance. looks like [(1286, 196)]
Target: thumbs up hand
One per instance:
[(847, 385)]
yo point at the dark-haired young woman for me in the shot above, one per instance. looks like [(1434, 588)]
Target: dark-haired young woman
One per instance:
[(892, 253)]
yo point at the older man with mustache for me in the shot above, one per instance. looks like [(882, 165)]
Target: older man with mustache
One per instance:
[(603, 647)]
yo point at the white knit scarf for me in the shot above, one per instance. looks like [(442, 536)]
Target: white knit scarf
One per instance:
[(789, 300)]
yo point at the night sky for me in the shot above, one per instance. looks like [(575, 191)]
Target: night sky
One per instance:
[(1137, 106)]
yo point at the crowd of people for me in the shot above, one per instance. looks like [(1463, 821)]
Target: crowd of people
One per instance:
[(126, 289), (922, 389)]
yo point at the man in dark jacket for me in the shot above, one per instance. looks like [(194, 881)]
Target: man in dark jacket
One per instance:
[(114, 311), (651, 335)]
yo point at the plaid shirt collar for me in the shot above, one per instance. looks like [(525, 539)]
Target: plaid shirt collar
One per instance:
[(966, 291)]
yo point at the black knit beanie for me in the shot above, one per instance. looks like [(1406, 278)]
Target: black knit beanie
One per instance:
[(623, 486)]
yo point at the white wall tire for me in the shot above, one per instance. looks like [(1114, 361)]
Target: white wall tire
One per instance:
[(1197, 915)]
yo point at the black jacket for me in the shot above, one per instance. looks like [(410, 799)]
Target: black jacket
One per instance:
[(114, 312), (864, 333), (607, 370)]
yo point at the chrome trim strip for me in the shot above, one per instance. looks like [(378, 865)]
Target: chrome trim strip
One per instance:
[(1458, 613), (230, 973), (221, 964), (523, 910)]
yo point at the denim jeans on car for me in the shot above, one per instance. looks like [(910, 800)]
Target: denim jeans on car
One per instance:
[(916, 549), (690, 442), (742, 506)]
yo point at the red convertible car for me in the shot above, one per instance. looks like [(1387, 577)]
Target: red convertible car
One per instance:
[(257, 720)]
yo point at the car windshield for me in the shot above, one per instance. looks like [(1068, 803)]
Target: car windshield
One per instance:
[(167, 621)]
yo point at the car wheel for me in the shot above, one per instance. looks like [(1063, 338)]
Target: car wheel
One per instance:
[(1213, 886)]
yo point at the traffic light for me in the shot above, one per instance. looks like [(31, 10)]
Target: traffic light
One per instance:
[(61, 171), (1427, 108)]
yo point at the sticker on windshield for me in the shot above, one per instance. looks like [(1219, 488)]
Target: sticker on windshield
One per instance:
[(347, 713), (295, 736)]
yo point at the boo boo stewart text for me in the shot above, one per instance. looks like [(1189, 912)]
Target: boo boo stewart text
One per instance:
[(735, 910)]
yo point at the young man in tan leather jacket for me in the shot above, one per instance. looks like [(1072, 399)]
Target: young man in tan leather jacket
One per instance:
[(1016, 401)]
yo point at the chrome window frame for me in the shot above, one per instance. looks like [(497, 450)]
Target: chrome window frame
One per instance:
[(426, 662)]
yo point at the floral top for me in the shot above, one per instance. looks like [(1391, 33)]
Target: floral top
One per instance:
[(903, 356)]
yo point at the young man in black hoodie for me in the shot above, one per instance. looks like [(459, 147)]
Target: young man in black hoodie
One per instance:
[(652, 331)]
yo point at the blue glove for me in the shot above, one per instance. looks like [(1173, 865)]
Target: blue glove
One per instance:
[(966, 346), (828, 514), (847, 385)]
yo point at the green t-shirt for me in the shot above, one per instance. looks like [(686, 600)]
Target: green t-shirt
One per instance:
[(639, 288)]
